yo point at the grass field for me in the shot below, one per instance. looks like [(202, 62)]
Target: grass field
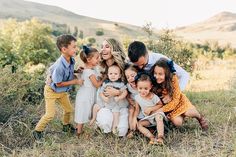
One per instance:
[(212, 89)]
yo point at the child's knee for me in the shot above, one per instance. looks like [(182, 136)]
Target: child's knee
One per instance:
[(159, 117), (177, 122)]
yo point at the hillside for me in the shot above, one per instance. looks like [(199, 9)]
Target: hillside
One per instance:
[(22, 10), (221, 28)]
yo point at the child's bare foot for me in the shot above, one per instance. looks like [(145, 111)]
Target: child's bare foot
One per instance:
[(158, 141), (152, 140), (130, 134), (115, 131), (79, 133), (203, 123)]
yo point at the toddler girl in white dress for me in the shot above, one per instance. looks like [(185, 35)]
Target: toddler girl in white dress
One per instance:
[(86, 94)]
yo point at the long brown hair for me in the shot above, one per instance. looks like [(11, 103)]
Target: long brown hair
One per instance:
[(167, 84)]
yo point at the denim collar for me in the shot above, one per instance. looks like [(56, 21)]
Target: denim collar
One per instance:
[(65, 63)]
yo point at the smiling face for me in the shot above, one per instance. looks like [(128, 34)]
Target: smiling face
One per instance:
[(106, 51), (114, 73), (130, 75), (142, 61), (70, 50), (159, 74), (94, 59), (144, 88)]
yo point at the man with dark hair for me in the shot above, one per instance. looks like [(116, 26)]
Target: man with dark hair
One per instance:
[(138, 54)]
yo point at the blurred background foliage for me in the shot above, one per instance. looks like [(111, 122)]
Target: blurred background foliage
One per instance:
[(27, 48)]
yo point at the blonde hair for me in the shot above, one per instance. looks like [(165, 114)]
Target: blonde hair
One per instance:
[(118, 55)]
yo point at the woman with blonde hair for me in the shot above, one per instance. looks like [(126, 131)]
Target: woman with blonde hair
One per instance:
[(112, 53)]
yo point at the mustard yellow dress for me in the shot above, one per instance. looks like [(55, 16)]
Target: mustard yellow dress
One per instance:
[(179, 103)]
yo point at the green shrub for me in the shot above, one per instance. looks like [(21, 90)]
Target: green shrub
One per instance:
[(27, 41), (20, 93), (175, 49), (100, 32), (19, 90), (90, 41)]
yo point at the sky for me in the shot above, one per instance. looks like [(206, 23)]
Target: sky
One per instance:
[(161, 13)]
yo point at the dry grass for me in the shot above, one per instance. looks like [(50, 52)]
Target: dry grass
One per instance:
[(212, 91)]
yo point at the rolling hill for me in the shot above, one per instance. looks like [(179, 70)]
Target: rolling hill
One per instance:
[(23, 10), (221, 28)]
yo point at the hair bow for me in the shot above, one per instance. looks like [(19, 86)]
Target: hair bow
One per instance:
[(171, 66), (86, 49)]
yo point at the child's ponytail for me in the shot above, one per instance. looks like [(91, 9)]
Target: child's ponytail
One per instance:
[(86, 53)]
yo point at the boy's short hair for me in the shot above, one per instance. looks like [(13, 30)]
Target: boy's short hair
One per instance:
[(136, 50), (64, 40)]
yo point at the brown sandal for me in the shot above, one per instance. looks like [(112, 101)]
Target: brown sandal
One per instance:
[(130, 134), (203, 123)]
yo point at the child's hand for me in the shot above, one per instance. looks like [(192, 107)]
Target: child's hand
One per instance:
[(132, 103), (116, 99), (48, 80), (79, 70), (106, 99), (104, 76), (79, 81), (147, 110)]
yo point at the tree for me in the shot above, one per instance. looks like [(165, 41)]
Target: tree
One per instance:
[(75, 31), (99, 32), (81, 34), (148, 29), (24, 42)]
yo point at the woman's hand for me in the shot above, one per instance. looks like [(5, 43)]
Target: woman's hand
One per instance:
[(111, 92)]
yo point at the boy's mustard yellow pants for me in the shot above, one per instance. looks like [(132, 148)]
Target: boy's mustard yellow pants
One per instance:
[(50, 101)]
